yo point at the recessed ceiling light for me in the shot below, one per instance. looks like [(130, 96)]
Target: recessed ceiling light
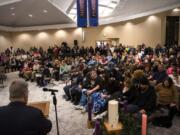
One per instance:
[(30, 15), (13, 14), (45, 11), (12, 8), (176, 10)]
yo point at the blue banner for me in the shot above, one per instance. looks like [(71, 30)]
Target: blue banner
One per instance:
[(82, 13), (93, 13)]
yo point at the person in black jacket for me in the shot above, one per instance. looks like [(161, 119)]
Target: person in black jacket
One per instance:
[(145, 100), (160, 75), (19, 119)]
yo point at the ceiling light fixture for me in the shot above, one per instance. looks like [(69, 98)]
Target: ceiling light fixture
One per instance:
[(13, 14), (30, 15), (12, 8), (45, 11), (176, 10)]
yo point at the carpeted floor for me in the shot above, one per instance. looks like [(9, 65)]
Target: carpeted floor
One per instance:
[(71, 122)]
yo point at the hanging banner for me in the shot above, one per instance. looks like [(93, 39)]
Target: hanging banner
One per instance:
[(93, 12), (82, 13)]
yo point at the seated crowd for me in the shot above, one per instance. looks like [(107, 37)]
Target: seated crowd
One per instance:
[(143, 79)]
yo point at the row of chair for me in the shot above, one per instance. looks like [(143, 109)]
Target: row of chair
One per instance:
[(3, 76)]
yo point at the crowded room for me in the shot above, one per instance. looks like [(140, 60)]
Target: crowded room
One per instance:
[(89, 67)]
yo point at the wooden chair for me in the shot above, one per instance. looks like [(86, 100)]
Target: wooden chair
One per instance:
[(43, 106)]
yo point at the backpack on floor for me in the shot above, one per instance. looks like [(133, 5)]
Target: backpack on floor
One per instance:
[(162, 121)]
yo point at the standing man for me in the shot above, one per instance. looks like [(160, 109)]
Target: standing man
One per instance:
[(19, 119)]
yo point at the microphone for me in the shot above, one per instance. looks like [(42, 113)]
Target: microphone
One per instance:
[(51, 90)]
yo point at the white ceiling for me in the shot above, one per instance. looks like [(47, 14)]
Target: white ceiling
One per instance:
[(130, 7), (17, 14), (57, 12)]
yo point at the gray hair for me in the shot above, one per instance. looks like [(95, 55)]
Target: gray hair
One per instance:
[(18, 89)]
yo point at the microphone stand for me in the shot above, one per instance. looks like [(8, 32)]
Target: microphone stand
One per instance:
[(55, 105)]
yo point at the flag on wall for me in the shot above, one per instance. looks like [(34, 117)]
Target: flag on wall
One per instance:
[(93, 12), (82, 13)]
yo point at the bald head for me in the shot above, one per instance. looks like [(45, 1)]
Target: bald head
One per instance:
[(18, 91)]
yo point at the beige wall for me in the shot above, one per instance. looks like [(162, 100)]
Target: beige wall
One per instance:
[(5, 40), (144, 30), (149, 30), (45, 38)]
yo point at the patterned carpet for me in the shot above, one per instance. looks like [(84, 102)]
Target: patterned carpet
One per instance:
[(71, 122)]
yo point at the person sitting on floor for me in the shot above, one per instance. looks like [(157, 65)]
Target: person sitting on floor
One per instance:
[(27, 70), (112, 90), (160, 75), (35, 69), (76, 77), (145, 101), (82, 81), (63, 69), (167, 102), (95, 86), (43, 76)]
